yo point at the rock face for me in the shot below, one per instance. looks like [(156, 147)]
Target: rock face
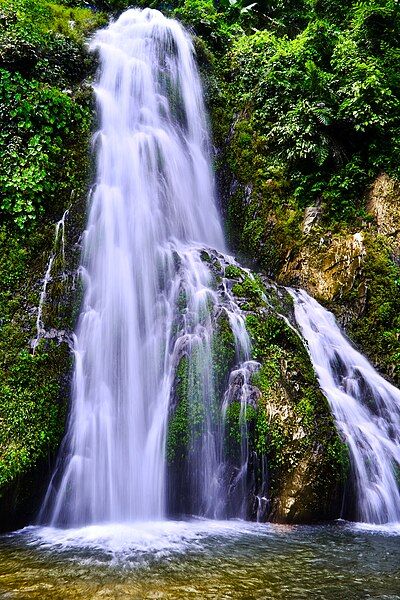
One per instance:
[(312, 215), (356, 274), (289, 425), (383, 203), (328, 270)]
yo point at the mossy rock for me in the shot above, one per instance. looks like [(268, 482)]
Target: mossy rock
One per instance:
[(307, 462), (288, 419)]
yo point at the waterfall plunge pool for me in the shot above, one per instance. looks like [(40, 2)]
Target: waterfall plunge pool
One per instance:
[(202, 559)]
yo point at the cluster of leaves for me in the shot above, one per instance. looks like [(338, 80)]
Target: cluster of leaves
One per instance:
[(324, 94), (41, 53), (39, 123)]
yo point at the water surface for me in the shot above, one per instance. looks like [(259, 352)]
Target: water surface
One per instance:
[(201, 559)]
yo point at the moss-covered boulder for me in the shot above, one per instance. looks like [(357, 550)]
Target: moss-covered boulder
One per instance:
[(297, 463)]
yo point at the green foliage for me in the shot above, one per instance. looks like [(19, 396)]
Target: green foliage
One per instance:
[(324, 99), (41, 52), (31, 411), (251, 289), (270, 332), (39, 123), (233, 272)]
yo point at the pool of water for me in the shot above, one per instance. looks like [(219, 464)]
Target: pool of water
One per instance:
[(201, 559)]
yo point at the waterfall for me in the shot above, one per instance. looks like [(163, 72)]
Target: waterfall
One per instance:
[(365, 406), (147, 295)]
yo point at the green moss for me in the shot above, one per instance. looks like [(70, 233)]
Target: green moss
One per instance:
[(205, 257), (75, 23), (233, 272), (178, 436), (223, 353), (32, 409), (262, 215), (236, 419), (270, 331), (187, 421), (249, 288), (294, 417)]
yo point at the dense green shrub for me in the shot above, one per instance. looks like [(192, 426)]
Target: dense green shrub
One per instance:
[(326, 100), (38, 125), (42, 58), (45, 124)]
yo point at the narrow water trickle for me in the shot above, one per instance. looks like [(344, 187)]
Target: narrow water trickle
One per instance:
[(148, 299), (366, 408), (59, 233)]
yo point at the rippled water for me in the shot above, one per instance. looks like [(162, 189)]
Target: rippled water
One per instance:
[(201, 559)]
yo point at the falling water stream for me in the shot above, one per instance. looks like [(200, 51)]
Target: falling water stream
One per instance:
[(366, 408), (149, 311), (147, 299)]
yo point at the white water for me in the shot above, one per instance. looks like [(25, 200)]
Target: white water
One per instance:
[(149, 303), (366, 408), (240, 390), (59, 229), (147, 299)]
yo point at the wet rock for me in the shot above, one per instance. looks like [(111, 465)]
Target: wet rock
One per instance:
[(330, 269), (383, 203), (311, 218)]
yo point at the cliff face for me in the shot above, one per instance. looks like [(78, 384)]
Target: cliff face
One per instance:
[(286, 215), (46, 116)]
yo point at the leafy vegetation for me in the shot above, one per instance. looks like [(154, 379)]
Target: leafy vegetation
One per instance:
[(323, 95), (46, 121), (39, 129)]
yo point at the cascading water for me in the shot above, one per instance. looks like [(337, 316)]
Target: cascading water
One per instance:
[(366, 408), (151, 309), (147, 299), (60, 229)]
